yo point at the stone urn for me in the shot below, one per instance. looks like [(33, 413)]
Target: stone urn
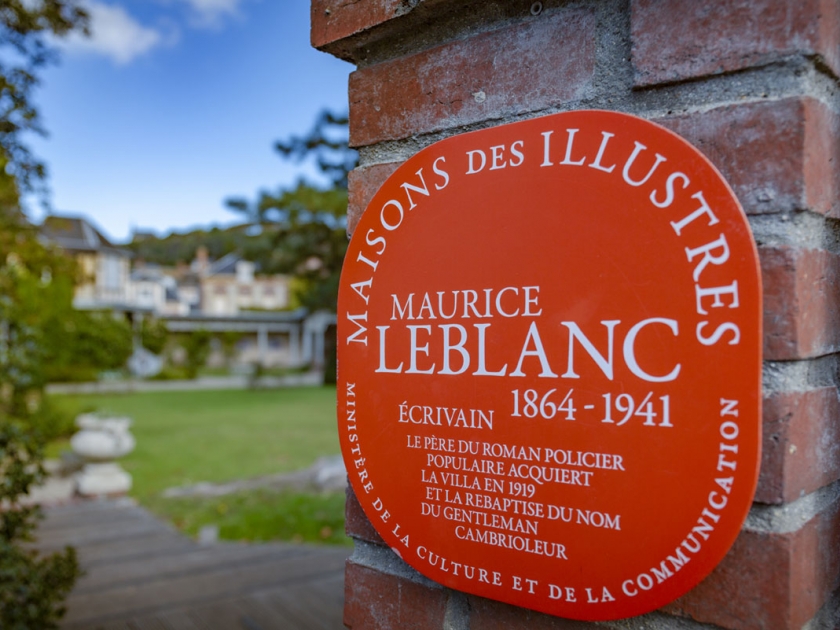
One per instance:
[(99, 442)]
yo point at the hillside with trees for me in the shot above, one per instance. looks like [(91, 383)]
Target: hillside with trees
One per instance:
[(180, 247)]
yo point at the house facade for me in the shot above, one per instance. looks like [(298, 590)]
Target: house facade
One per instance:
[(104, 267), (222, 296), (230, 285)]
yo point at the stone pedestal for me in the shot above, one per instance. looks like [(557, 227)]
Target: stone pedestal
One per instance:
[(101, 479), (100, 441)]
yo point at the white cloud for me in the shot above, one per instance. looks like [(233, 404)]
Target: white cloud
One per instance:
[(115, 34), (209, 12)]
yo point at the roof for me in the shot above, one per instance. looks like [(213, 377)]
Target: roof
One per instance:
[(247, 317), (151, 273), (225, 265), (77, 234)]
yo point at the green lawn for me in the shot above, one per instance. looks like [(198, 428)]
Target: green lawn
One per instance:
[(261, 515), (188, 437)]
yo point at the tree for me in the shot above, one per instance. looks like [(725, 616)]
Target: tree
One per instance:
[(307, 222), (178, 247), (36, 286), (25, 26), (42, 338), (31, 587), (33, 281), (327, 143), (33, 278)]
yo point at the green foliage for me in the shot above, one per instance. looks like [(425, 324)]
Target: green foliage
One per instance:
[(42, 338), (171, 373), (262, 515), (327, 143), (84, 343), (51, 422), (154, 335), (21, 455), (257, 372), (197, 346), (35, 284), (180, 247), (31, 587), (307, 222), (72, 374), (229, 339), (25, 28)]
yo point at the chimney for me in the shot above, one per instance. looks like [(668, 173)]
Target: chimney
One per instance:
[(201, 260)]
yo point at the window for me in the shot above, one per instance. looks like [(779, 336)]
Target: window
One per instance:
[(110, 275)]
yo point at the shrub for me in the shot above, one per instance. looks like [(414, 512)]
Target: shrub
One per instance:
[(171, 373), (51, 421), (153, 335), (32, 587), (229, 339), (84, 342), (71, 374), (197, 346)]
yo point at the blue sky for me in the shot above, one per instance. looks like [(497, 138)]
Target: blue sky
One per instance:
[(174, 105)]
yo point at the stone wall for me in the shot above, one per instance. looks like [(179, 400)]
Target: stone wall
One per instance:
[(754, 85)]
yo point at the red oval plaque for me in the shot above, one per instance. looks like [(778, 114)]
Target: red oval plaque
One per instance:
[(550, 364)]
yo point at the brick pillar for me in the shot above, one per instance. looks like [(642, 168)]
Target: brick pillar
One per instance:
[(754, 85)]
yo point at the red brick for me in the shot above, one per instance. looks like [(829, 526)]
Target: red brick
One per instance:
[(486, 614), (333, 20), (377, 601), (517, 69), (801, 450), (778, 156), (801, 302), (822, 158), (717, 36), (343, 28), (356, 522), (769, 581), (362, 186)]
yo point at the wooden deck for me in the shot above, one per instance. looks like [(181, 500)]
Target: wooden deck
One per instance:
[(143, 575)]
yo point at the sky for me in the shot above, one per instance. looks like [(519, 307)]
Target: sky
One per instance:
[(172, 106)]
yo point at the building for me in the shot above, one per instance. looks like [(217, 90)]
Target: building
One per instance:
[(222, 296), (104, 267), (230, 285), (152, 288)]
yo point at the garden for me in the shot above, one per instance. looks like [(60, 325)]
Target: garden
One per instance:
[(188, 437)]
